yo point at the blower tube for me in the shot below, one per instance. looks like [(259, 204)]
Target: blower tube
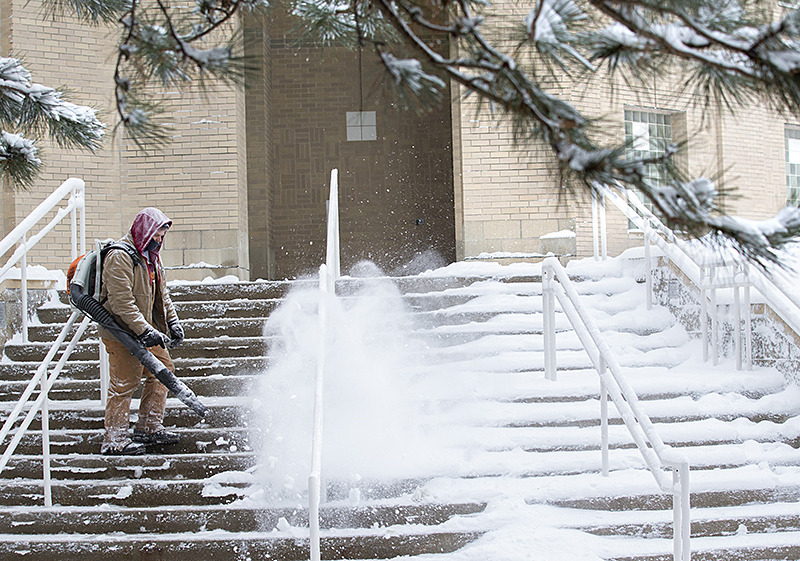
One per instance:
[(98, 313)]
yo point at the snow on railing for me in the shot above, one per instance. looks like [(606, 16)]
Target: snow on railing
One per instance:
[(72, 187), (709, 273), (328, 275), (657, 456)]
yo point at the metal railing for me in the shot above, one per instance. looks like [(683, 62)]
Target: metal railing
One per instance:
[(709, 271), (328, 274), (74, 188), (657, 455), (76, 208)]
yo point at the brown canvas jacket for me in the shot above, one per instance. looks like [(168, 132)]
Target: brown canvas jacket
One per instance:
[(130, 300)]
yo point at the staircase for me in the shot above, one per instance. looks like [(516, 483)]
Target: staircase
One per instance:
[(515, 470)]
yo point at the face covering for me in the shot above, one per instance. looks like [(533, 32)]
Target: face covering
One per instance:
[(152, 245)]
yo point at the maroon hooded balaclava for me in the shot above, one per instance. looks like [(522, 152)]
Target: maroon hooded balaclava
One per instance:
[(145, 225)]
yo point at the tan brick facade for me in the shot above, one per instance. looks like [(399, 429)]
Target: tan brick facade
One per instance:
[(245, 176), (198, 179)]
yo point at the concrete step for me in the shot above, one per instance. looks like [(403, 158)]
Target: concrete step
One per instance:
[(223, 413), (235, 327), (193, 329), (234, 517), (160, 463), (236, 309), (89, 369), (702, 499), (219, 347), (271, 290), (723, 553), (70, 390), (365, 544), (79, 444), (141, 492), (728, 526)]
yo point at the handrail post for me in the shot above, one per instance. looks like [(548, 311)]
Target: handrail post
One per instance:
[(595, 227), (48, 492), (73, 225), (548, 323), (23, 287), (714, 324), (603, 417), (704, 312), (603, 228), (314, 478), (681, 520), (105, 371), (686, 523), (648, 262), (332, 258), (81, 202), (737, 331), (748, 328)]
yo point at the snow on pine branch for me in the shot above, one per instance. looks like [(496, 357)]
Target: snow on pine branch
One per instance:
[(31, 107), (19, 158)]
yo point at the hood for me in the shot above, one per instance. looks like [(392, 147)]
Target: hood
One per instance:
[(146, 224)]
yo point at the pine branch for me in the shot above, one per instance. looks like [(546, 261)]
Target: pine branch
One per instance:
[(30, 109), (646, 42), (19, 159), (91, 11), (160, 45)]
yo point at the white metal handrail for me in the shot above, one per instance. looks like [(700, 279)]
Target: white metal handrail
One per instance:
[(76, 208), (45, 382), (657, 455), (709, 273), (328, 275)]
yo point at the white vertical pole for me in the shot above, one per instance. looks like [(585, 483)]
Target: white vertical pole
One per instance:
[(595, 227), (737, 332), (24, 287), (704, 312), (46, 480), (73, 224), (81, 192), (748, 328), (677, 515), (548, 323), (686, 522), (714, 325), (332, 253), (603, 417), (648, 260), (314, 479), (603, 228), (105, 372)]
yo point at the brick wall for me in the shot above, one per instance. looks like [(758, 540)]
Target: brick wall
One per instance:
[(395, 193), (198, 179), (511, 195)]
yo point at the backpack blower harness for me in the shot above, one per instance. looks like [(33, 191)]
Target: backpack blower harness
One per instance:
[(84, 294)]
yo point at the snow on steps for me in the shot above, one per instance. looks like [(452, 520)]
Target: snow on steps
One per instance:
[(538, 448)]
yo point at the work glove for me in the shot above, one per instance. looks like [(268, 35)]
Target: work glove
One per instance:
[(153, 337), (175, 332)]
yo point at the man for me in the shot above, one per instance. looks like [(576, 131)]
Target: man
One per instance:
[(139, 301)]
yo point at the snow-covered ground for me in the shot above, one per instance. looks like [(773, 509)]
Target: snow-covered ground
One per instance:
[(398, 408), (392, 415)]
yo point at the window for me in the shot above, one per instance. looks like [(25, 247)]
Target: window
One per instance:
[(791, 136), (361, 126), (647, 135)]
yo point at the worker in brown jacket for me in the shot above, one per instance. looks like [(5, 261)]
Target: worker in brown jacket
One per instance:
[(138, 299)]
